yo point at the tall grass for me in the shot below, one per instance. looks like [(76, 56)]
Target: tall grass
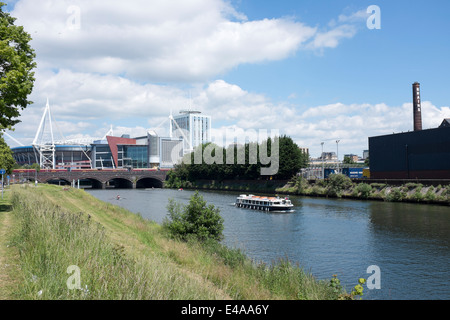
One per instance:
[(122, 256), (51, 239)]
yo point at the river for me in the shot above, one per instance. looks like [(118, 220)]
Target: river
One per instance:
[(410, 243)]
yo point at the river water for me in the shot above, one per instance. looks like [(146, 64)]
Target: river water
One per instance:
[(409, 243)]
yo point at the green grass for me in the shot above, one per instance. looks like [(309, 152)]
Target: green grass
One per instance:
[(120, 255), (8, 261)]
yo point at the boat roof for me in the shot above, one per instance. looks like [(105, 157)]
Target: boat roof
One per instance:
[(251, 196)]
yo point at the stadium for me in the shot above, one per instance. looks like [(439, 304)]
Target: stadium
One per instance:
[(151, 151)]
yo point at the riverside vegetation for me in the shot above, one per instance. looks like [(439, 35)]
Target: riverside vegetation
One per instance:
[(341, 186), (120, 255)]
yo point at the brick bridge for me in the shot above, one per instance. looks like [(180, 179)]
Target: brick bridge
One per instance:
[(103, 179)]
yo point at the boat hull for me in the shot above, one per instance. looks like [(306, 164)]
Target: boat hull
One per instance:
[(264, 208)]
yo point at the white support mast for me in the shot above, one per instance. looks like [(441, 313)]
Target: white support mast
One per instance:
[(12, 138), (45, 149)]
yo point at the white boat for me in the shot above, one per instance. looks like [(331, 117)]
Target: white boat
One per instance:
[(263, 203)]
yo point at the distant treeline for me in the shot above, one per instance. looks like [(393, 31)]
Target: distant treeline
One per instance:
[(278, 158)]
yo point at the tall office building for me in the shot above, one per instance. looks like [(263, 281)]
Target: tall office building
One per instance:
[(193, 127)]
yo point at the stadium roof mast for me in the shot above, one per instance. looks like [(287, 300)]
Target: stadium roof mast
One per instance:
[(12, 138), (45, 149)]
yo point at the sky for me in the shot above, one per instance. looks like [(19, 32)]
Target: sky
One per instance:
[(314, 70)]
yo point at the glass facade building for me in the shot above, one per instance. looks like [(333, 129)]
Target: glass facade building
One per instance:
[(102, 156), (133, 156)]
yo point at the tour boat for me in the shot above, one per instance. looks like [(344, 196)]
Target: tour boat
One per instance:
[(263, 203)]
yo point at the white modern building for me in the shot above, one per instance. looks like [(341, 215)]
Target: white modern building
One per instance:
[(191, 126), (164, 152)]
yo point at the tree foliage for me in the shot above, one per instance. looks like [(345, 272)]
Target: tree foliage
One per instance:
[(348, 160), (197, 219), (6, 156), (16, 65), (239, 162)]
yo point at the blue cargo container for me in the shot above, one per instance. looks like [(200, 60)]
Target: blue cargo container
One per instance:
[(353, 173)]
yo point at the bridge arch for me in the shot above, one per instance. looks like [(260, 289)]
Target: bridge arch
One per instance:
[(148, 182), (94, 183), (119, 183), (58, 180)]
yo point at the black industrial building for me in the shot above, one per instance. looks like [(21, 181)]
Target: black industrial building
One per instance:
[(420, 154)]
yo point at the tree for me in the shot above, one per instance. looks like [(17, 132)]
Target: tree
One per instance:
[(197, 219), (348, 160), (16, 65), (292, 159), (7, 161)]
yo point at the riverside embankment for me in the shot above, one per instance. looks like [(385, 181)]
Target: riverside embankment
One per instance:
[(116, 254), (337, 187)]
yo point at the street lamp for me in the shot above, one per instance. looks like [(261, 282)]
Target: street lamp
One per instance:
[(323, 165), (337, 151)]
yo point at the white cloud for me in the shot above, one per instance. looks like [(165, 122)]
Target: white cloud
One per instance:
[(159, 40), (332, 38), (358, 16), (155, 40), (76, 95)]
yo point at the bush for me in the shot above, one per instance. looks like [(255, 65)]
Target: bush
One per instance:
[(396, 195), (297, 185), (194, 220), (364, 190), (417, 195), (430, 195), (338, 183)]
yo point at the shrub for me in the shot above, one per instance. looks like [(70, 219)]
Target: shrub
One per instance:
[(364, 190), (430, 195), (337, 183), (417, 195), (297, 185), (317, 191), (196, 219), (396, 195)]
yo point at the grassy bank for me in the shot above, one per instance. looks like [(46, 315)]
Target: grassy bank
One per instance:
[(8, 259), (120, 255), (339, 186)]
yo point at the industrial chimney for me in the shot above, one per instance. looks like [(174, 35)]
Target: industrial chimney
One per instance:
[(417, 107)]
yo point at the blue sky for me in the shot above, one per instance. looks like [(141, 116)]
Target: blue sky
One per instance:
[(310, 69), (374, 66)]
